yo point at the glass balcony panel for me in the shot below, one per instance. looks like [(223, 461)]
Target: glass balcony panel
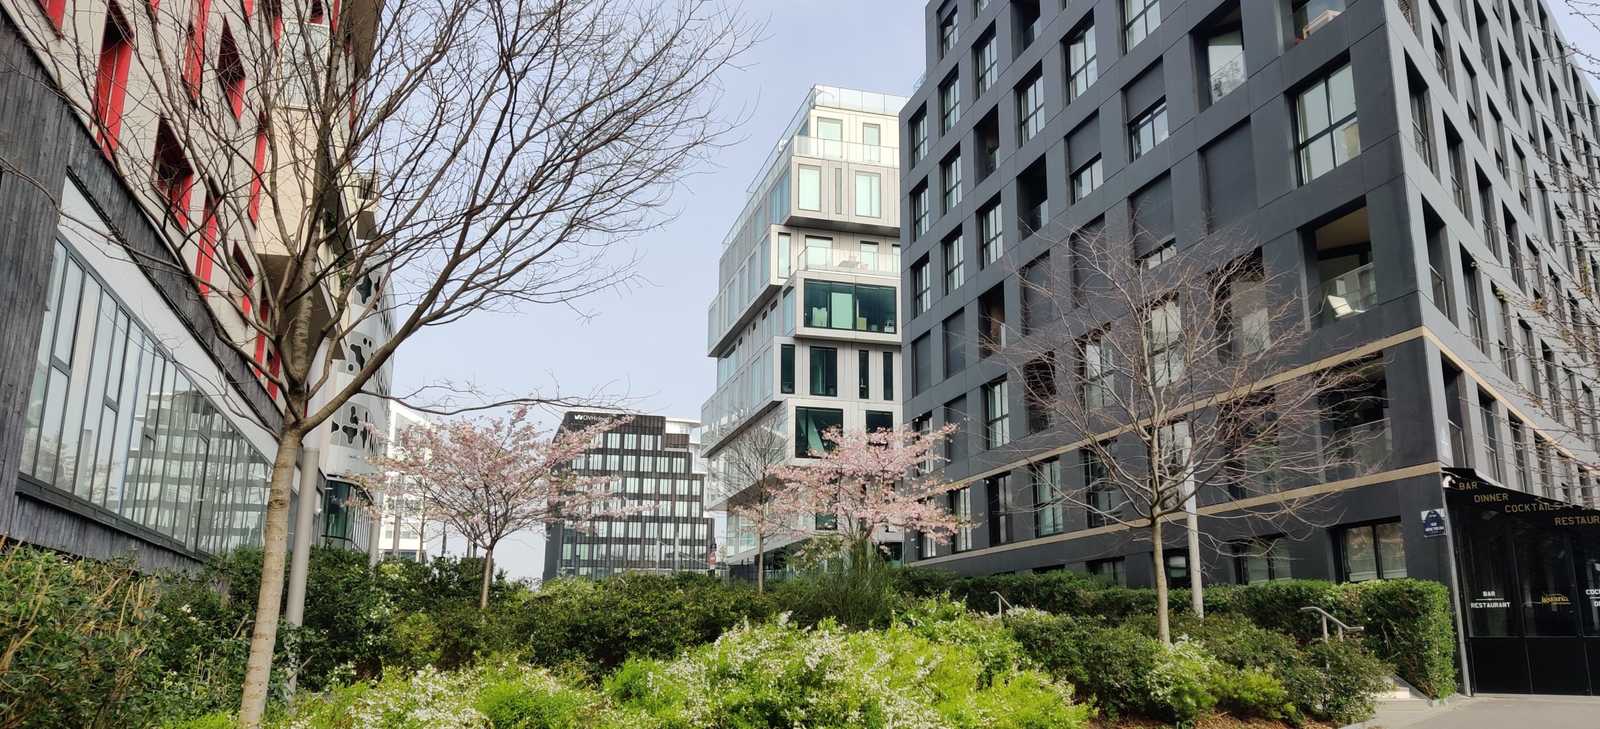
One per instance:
[(1350, 293)]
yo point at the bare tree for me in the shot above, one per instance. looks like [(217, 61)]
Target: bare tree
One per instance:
[(746, 470), (1179, 376), (461, 155)]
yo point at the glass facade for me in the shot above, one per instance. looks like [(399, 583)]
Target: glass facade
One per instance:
[(115, 422), (855, 307)]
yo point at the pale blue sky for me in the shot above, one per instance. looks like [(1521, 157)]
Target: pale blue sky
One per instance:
[(649, 343)]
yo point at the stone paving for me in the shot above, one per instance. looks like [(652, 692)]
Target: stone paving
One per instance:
[(1491, 711)]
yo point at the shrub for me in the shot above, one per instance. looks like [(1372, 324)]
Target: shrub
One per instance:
[(1112, 665), (1182, 681), (947, 621), (1408, 623), (1254, 692), (778, 674), (1337, 681), (75, 641)]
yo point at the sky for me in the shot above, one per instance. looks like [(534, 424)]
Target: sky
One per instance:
[(649, 343)]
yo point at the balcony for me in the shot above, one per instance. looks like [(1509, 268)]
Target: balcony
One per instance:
[(851, 152), (1357, 449), (1350, 293), (831, 259)]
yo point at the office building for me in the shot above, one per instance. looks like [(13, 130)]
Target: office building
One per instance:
[(806, 327), (134, 414), (1419, 170), (653, 463)]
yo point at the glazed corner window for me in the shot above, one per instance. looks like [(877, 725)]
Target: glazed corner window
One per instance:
[(1372, 552), (852, 307), (1326, 132), (824, 371), (1311, 15), (1148, 129), (808, 194), (111, 78), (174, 178), (1140, 17), (809, 426)]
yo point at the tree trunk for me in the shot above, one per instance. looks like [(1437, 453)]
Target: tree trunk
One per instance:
[(488, 576), (1163, 620), (761, 562), (269, 599)]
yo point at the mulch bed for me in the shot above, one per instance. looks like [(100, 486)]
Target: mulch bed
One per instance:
[(1214, 721)]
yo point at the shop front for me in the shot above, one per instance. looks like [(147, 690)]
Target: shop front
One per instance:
[(1530, 598)]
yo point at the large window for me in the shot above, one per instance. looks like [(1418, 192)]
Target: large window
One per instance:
[(1372, 552), (954, 264), (991, 237), (950, 179), (824, 371), (111, 78), (996, 415), (1086, 179), (1140, 17), (1030, 105), (922, 285), (869, 194), (864, 374), (114, 422), (961, 506), (1110, 570), (1260, 560), (809, 425), (1148, 129), (854, 307), (1049, 517), (1082, 67), (1095, 372), (1164, 333), (949, 104), (1326, 132), (918, 127), (888, 376), (919, 211), (809, 190), (1102, 496), (984, 60), (786, 369), (879, 420)]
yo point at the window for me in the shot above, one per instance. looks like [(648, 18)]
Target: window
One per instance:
[(871, 142), (954, 264), (173, 176), (1248, 325), (206, 259), (1148, 129), (955, 413), (1260, 560), (853, 307), (955, 352), (194, 54), (991, 240), (984, 61), (824, 371), (1312, 15), (809, 190), (950, 179), (786, 369), (1048, 516), (879, 420), (1039, 383), (260, 169), (996, 415), (809, 425), (918, 127), (111, 77), (922, 285), (1164, 331), (1372, 551), (948, 32), (230, 73), (864, 374), (1086, 179), (1030, 105), (869, 193), (888, 376), (921, 364), (919, 211), (1095, 372), (1111, 570), (1165, 252), (1225, 62), (1102, 502), (1140, 17), (992, 321), (1326, 132), (949, 104), (961, 506), (1177, 567), (1082, 70)]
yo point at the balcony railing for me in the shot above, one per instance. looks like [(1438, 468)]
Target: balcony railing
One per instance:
[(1350, 293), (1358, 449), (829, 259), (853, 152), (1227, 78)]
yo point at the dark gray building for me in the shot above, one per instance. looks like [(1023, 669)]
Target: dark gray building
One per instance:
[(1411, 166), (654, 462)]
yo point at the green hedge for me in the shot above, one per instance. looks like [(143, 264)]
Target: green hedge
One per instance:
[(1407, 623)]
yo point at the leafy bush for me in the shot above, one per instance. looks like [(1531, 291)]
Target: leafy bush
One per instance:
[(1254, 692), (946, 621), (1337, 681), (778, 674), (75, 641), (1408, 623), (1112, 665), (1182, 681)]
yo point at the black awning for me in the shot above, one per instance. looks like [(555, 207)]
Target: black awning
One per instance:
[(1464, 491)]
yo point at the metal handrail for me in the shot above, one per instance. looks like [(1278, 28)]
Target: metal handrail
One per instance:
[(1339, 625), (1001, 604)]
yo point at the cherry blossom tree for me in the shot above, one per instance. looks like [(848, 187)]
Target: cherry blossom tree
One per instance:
[(488, 478), (863, 484)]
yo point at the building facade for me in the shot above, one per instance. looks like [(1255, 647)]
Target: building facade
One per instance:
[(407, 532), (806, 327), (654, 464), (1420, 171), (133, 417)]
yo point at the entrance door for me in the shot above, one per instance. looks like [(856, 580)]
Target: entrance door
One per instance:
[(1557, 661)]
